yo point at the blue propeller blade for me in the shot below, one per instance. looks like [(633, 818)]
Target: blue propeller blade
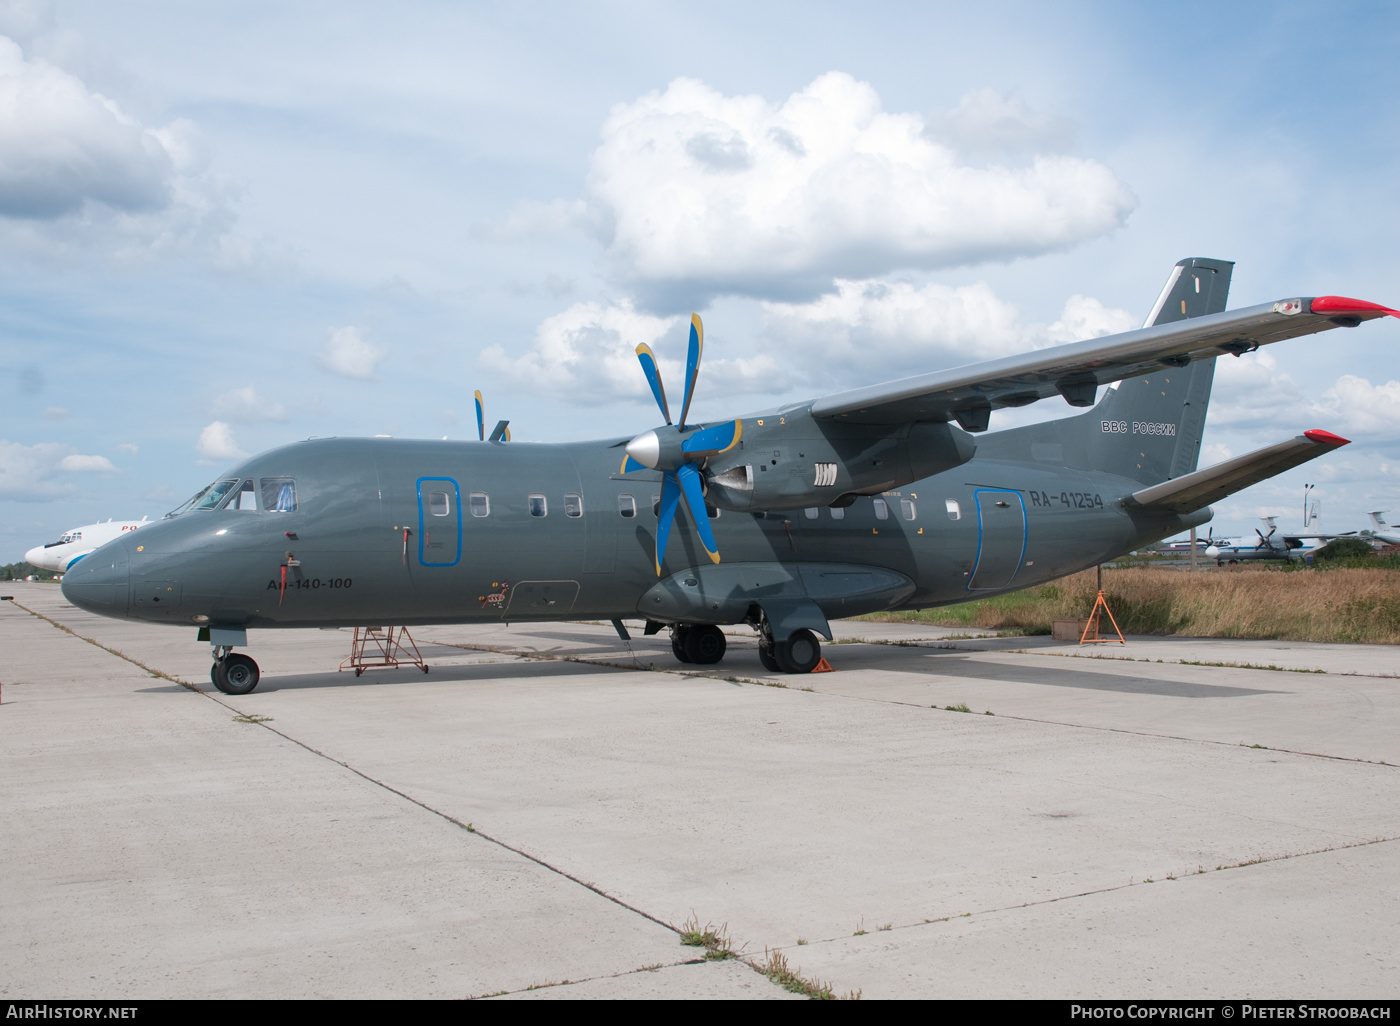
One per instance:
[(649, 368), (692, 364), (714, 440), (695, 501), (480, 418), (670, 498), (629, 465)]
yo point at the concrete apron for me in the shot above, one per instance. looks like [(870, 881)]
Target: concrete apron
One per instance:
[(171, 848)]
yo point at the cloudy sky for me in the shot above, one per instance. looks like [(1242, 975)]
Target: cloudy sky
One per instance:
[(228, 226)]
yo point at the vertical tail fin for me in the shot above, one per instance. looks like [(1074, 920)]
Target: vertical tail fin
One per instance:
[(1377, 524), (1148, 428)]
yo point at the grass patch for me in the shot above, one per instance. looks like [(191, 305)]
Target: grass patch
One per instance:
[(775, 967), (960, 707), (715, 941), (252, 719), (1337, 602)]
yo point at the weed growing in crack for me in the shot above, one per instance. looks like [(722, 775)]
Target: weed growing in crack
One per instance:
[(775, 967), (960, 707), (242, 718), (716, 942)]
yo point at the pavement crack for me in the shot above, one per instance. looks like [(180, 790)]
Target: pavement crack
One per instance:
[(1223, 868), (106, 648)]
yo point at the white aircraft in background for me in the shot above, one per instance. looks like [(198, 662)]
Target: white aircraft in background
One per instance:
[(75, 544), (1286, 548), (1383, 532)]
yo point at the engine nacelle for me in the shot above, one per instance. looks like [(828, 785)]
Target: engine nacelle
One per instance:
[(791, 460)]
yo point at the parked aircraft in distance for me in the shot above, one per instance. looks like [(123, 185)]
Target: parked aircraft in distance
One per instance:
[(891, 496), (58, 556), (1285, 547), (1387, 534)]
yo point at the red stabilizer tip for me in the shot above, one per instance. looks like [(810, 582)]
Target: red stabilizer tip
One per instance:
[(1325, 437), (1343, 305)]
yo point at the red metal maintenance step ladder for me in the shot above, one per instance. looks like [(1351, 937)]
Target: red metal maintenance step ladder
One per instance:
[(378, 648)]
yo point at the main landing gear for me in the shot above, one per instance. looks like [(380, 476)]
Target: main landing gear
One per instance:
[(704, 644), (701, 643), (800, 653), (233, 673)]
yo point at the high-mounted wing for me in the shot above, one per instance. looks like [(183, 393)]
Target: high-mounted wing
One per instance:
[(1199, 489), (1076, 370)]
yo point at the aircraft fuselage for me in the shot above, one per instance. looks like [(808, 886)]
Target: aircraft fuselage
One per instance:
[(399, 532)]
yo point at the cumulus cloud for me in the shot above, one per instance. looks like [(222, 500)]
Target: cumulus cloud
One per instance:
[(1254, 393), (130, 447), (697, 193), (993, 123), (55, 413), (245, 404), (348, 354), (587, 354), (64, 145), (28, 472), (87, 464), (1085, 317), (216, 444), (80, 176), (863, 331)]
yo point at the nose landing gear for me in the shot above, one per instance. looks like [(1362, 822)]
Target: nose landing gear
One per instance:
[(233, 673)]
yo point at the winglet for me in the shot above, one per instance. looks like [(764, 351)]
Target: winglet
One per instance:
[(1344, 306), (1326, 437)]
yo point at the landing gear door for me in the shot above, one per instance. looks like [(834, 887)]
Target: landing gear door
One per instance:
[(439, 521), (1001, 539)]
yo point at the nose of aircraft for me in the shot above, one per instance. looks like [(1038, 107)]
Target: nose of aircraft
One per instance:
[(33, 556), (101, 581)]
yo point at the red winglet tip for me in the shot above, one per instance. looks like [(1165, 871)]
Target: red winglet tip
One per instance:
[(1325, 437), (1343, 305)]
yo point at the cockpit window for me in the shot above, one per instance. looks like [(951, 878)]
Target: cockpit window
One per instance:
[(246, 497), (214, 494), (279, 494)]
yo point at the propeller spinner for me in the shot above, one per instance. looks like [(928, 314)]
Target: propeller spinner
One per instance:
[(678, 454)]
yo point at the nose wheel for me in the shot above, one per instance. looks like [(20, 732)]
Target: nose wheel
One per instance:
[(701, 643), (234, 673)]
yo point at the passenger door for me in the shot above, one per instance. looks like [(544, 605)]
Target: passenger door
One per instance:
[(439, 522)]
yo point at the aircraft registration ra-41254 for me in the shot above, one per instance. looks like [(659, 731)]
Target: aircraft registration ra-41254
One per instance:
[(886, 497)]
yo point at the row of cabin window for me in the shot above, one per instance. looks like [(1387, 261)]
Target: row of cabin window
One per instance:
[(479, 504), (439, 505)]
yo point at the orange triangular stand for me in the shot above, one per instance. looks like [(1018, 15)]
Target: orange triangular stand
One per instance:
[(1092, 627), (823, 667)]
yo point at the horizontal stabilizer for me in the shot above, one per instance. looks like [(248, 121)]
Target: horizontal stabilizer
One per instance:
[(1200, 489)]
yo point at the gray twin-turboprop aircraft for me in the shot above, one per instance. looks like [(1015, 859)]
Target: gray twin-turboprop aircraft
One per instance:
[(884, 497)]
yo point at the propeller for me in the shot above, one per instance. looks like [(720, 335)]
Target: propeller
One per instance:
[(502, 431), (680, 454), (1212, 546), (1264, 542)]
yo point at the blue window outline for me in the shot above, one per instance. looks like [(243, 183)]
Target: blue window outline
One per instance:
[(456, 505)]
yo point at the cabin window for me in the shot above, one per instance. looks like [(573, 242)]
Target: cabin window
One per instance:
[(245, 497), (480, 504), (954, 510), (812, 512), (907, 507), (538, 506), (279, 494), (573, 504), (438, 504), (626, 506), (882, 510), (838, 513), (215, 494)]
